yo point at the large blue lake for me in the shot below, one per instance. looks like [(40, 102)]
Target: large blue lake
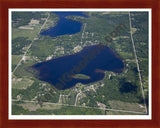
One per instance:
[(91, 60)]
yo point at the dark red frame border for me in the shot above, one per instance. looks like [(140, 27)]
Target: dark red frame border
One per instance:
[(6, 4)]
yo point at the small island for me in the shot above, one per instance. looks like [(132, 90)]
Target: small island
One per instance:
[(81, 76)]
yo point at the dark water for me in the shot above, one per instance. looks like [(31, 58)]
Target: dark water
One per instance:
[(92, 61), (64, 25)]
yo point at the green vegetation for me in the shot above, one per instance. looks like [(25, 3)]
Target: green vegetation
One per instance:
[(81, 76), (20, 83), (121, 113), (19, 44), (78, 111), (16, 59), (115, 91), (141, 39), (51, 22), (54, 110), (28, 33), (19, 110), (23, 18), (122, 106)]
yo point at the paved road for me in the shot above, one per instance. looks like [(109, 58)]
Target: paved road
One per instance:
[(134, 49), (30, 45), (27, 101)]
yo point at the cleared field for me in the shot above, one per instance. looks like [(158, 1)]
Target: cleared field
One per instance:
[(16, 59), (25, 32), (118, 12), (35, 106), (71, 110), (126, 106), (21, 83), (125, 54), (120, 113)]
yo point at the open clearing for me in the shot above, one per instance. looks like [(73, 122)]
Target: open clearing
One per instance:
[(25, 32), (35, 106), (21, 83), (123, 105), (16, 59)]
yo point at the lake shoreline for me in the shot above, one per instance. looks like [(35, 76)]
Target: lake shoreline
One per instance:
[(80, 57)]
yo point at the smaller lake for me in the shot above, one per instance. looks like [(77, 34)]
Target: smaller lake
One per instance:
[(64, 25), (91, 61)]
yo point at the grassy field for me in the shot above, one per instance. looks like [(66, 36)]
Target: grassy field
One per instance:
[(16, 59), (20, 83), (25, 32), (126, 106), (68, 110), (35, 106), (120, 113)]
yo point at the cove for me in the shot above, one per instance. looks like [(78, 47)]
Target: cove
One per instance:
[(64, 25), (91, 61)]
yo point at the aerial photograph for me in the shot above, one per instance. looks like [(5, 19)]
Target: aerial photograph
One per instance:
[(79, 62)]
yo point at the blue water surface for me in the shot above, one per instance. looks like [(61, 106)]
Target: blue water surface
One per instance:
[(64, 25), (92, 61)]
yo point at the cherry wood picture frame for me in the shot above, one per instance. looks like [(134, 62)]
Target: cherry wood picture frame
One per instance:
[(5, 5)]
